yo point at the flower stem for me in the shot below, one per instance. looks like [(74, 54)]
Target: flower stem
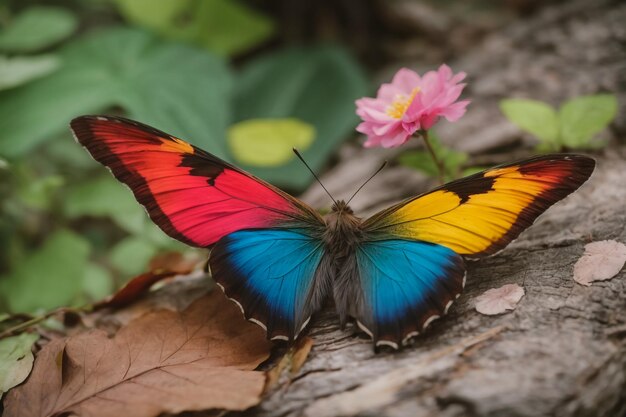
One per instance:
[(438, 163)]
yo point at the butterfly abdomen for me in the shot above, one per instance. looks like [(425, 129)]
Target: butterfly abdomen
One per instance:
[(343, 234)]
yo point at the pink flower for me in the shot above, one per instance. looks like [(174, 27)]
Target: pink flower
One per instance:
[(410, 103)]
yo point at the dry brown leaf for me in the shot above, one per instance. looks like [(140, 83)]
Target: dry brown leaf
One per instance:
[(174, 261), (300, 353), (163, 266), (274, 374), (293, 359), (134, 289), (601, 261), (162, 362), (499, 300)]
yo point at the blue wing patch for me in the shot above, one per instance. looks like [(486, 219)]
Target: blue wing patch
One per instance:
[(274, 276), (404, 286)]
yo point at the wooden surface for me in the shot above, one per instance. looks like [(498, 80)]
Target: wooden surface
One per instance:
[(562, 352)]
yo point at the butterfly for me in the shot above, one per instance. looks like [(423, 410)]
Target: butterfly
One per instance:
[(280, 261)]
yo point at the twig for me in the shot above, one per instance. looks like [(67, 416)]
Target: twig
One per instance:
[(35, 320)]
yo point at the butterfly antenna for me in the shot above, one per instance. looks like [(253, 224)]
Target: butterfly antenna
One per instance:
[(316, 177), (368, 180)]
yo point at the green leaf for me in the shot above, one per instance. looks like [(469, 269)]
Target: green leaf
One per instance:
[(583, 117), (269, 142), (132, 255), (317, 85), (16, 360), (422, 160), (229, 28), (38, 193), (105, 197), (37, 28), (535, 117), (20, 70), (167, 16), (50, 277), (97, 283), (179, 89), (472, 170), (223, 26)]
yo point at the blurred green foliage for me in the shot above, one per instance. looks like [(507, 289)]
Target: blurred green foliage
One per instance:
[(451, 160), (37, 28), (573, 126), (69, 232), (225, 27)]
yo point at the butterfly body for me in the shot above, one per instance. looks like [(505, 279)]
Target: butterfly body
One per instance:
[(280, 261)]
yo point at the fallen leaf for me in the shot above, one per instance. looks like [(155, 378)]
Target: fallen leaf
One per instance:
[(134, 289), (163, 362), (293, 359), (175, 262), (16, 360), (499, 300), (299, 354), (162, 266), (601, 261), (274, 374)]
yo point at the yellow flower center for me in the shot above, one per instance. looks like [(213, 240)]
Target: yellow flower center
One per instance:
[(401, 103)]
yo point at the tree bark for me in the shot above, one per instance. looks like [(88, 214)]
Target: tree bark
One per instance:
[(562, 352)]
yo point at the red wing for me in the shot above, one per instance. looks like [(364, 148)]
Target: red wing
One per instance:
[(192, 195)]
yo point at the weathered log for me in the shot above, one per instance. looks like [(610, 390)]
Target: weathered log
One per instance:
[(562, 352)]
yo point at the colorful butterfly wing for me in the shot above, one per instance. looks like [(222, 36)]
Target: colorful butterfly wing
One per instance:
[(478, 215), (190, 194), (402, 286), (274, 275), (409, 266)]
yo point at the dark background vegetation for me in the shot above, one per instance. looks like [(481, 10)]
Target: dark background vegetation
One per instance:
[(69, 233)]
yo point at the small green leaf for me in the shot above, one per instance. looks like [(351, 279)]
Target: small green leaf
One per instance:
[(16, 360), (50, 277), (37, 28), (422, 160), (105, 197), (317, 85), (38, 193), (472, 170), (535, 117), (223, 26), (20, 70), (583, 117), (269, 142), (228, 27), (132, 255), (130, 69), (97, 283), (167, 16)]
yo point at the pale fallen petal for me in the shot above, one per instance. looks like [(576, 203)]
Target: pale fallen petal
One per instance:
[(499, 300), (601, 261)]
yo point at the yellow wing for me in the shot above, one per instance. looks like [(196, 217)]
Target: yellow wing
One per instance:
[(481, 214)]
